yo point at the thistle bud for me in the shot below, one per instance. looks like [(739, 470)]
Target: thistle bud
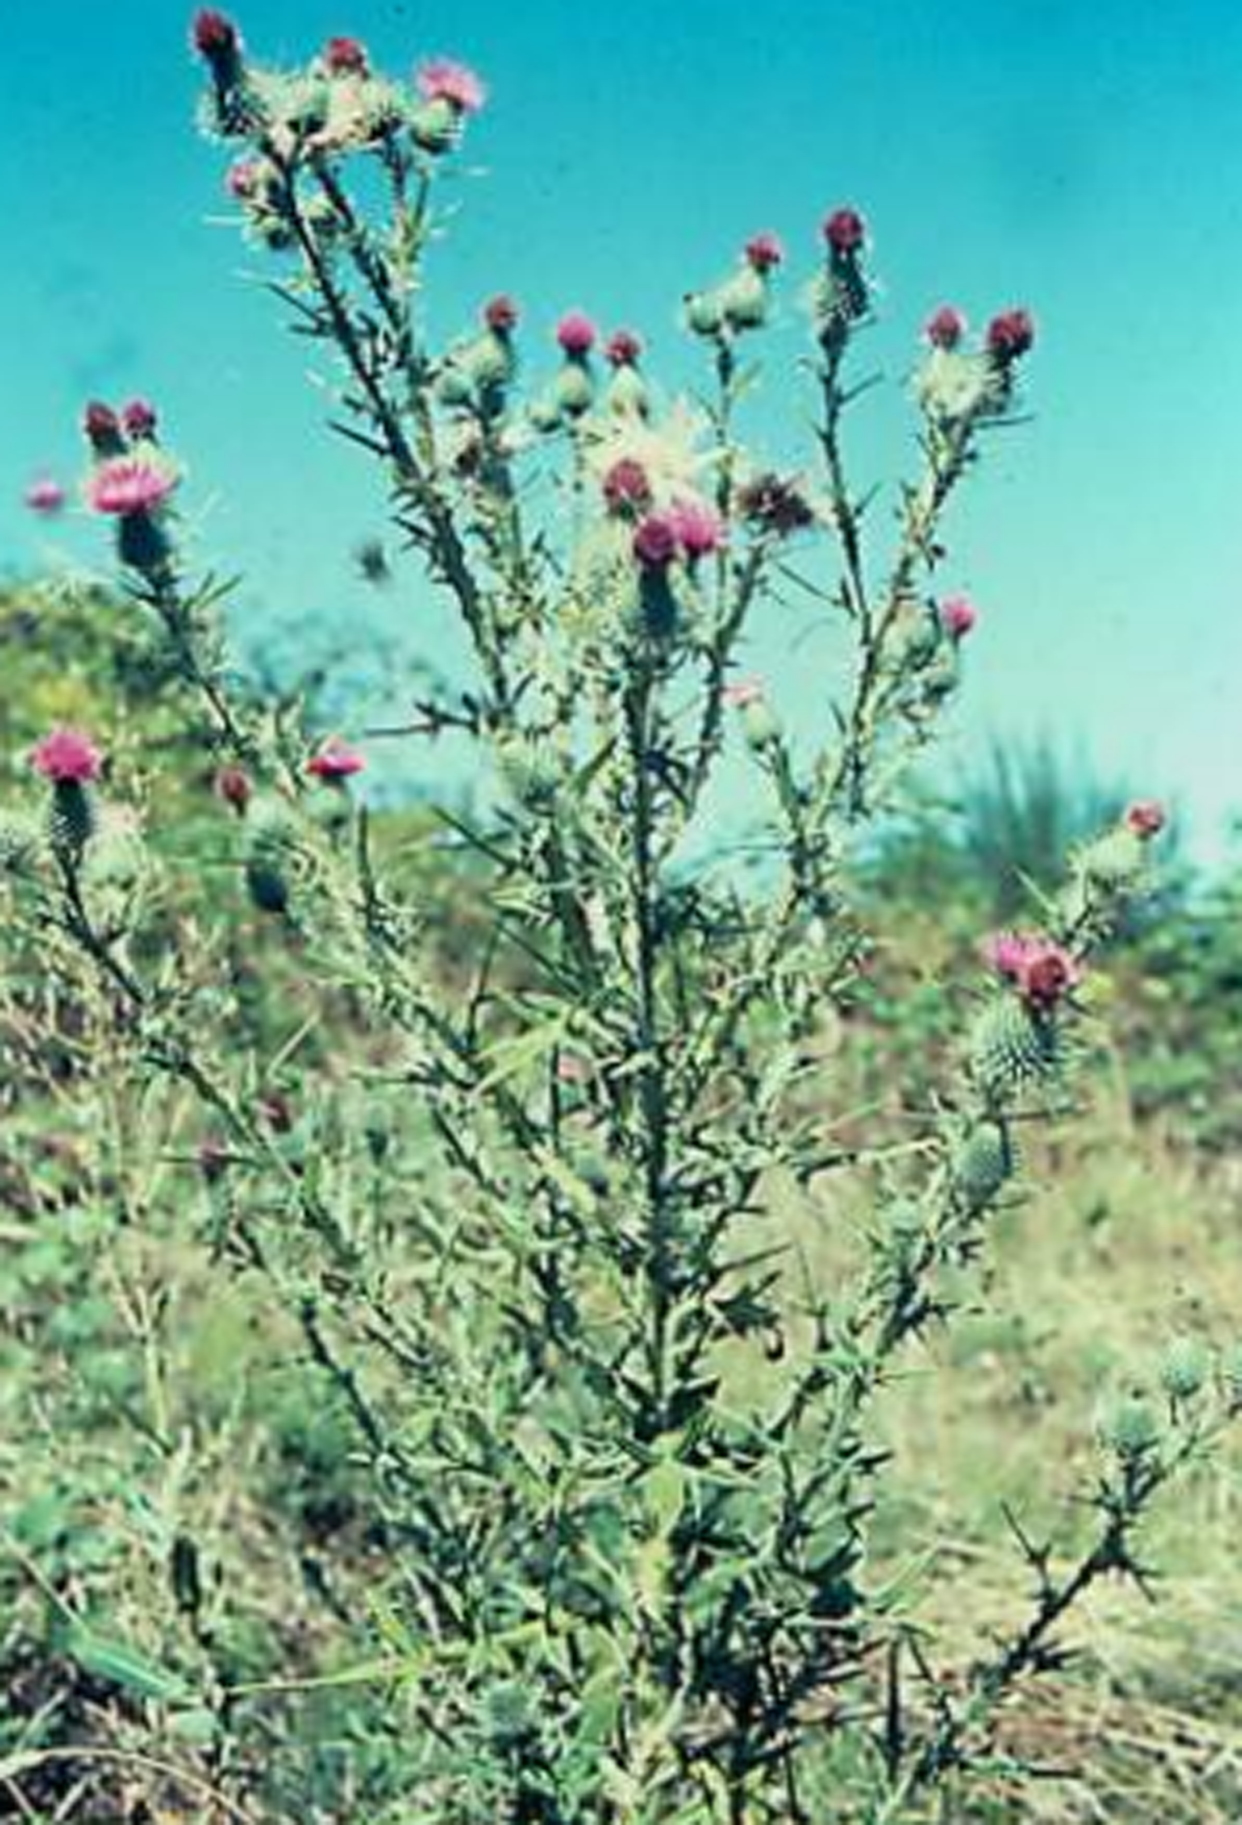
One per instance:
[(1131, 1428), (1184, 1368), (760, 724), (1013, 1046), (704, 312), (744, 300), (983, 1165)]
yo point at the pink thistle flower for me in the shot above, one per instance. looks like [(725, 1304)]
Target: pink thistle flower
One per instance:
[(1147, 817), (139, 418), (244, 179), (1007, 952), (1048, 974), (102, 428), (945, 327), (335, 761), (845, 231), (958, 617), (232, 784), (743, 693), (67, 757), (45, 496), (214, 35), (1010, 335), (699, 528), (1041, 969), (128, 485), (626, 486), (500, 314), (764, 251), (443, 79), (346, 57), (656, 541), (576, 334), (572, 1070), (624, 348)]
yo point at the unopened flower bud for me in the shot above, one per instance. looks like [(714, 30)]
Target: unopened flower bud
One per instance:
[(1184, 1368)]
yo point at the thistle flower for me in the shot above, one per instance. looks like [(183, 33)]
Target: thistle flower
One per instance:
[(1006, 952), (1147, 817), (335, 762), (139, 419), (626, 487), (346, 57), (1011, 334), (764, 251), (444, 79), (623, 349), (45, 496), (845, 231), (656, 541), (775, 503), (1048, 974), (742, 693), (214, 36), (957, 617), (500, 314), (245, 179), (1042, 970), (102, 429), (945, 328), (699, 528), (576, 335), (130, 485), (232, 784), (67, 757)]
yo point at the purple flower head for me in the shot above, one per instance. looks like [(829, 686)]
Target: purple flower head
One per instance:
[(624, 348), (214, 35), (127, 485), (699, 528), (335, 761), (1011, 335), (67, 757), (945, 327), (764, 251), (845, 231), (1146, 817), (139, 419), (656, 541), (958, 617), (444, 79), (346, 57), (576, 335), (45, 496), (500, 314), (626, 486)]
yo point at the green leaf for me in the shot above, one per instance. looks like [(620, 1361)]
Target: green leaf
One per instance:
[(124, 1666)]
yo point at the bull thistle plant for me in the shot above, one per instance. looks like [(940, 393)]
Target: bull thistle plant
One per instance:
[(619, 1423)]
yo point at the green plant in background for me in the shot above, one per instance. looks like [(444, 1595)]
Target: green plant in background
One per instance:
[(617, 1454)]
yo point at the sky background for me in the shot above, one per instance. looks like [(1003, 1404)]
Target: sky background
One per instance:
[(1085, 159)]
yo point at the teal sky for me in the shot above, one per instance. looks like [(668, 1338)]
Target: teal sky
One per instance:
[(1085, 159)]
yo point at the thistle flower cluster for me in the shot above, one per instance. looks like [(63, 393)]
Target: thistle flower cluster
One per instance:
[(132, 481)]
